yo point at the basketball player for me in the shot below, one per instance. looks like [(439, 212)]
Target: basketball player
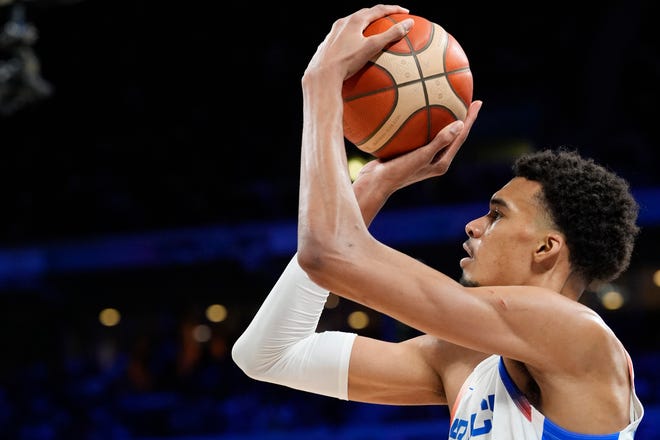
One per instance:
[(509, 349)]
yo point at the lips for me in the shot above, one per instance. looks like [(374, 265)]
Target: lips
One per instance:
[(467, 249)]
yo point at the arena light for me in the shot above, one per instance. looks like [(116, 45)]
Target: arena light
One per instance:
[(656, 278), (358, 320), (611, 296), (355, 164), (332, 301), (216, 313), (109, 317), (202, 333)]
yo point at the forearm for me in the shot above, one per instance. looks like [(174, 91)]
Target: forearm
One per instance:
[(281, 344), (328, 210)]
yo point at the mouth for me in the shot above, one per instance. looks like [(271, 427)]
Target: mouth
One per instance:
[(467, 249), (466, 260)]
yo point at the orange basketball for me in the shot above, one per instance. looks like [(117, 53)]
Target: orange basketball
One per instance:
[(411, 90)]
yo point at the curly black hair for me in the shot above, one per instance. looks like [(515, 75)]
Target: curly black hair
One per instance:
[(591, 205)]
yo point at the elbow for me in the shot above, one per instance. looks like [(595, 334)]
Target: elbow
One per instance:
[(255, 361), (324, 248), (245, 358), (328, 258), (310, 258), (316, 259), (312, 251), (239, 355)]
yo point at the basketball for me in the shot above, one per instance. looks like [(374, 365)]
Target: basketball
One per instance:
[(406, 94)]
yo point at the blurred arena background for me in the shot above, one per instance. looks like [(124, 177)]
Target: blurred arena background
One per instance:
[(149, 187)]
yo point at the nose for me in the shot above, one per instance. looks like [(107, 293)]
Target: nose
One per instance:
[(473, 228)]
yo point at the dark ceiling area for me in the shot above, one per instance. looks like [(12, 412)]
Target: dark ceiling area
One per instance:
[(143, 138), (179, 115)]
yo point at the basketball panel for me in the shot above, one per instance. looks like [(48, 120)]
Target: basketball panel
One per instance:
[(441, 94), (440, 118), (461, 84), (364, 116), (370, 79), (431, 60), (420, 34), (402, 68), (411, 98), (455, 57), (412, 134)]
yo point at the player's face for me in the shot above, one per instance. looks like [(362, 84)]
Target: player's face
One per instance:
[(501, 244)]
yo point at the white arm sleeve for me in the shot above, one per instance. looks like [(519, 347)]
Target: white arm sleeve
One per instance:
[(281, 345)]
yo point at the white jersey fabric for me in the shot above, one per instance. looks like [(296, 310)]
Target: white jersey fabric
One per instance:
[(490, 406)]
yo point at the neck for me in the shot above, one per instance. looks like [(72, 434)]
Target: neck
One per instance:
[(573, 286)]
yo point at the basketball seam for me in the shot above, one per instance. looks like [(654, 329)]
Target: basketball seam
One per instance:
[(406, 83), (415, 56), (422, 82)]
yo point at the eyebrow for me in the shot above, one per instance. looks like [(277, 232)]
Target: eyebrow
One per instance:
[(499, 202)]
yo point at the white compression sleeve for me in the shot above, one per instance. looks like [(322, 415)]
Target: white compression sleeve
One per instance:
[(281, 344)]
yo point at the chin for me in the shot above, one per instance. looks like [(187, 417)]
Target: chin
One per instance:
[(467, 282)]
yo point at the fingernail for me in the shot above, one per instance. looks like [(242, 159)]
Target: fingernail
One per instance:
[(456, 127)]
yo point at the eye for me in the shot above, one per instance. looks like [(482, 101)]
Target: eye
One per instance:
[(494, 214)]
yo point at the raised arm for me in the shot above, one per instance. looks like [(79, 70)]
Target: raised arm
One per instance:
[(281, 345), (335, 247), (337, 251)]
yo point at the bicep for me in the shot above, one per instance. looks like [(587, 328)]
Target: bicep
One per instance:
[(394, 373)]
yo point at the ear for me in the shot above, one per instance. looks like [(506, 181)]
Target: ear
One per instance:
[(549, 249)]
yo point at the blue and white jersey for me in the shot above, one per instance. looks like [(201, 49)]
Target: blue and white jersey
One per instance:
[(490, 406)]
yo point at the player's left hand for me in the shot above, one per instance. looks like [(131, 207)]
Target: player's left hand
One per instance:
[(428, 161)]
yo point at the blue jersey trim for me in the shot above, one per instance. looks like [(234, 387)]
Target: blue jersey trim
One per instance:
[(516, 395), (509, 384), (554, 432), (551, 431)]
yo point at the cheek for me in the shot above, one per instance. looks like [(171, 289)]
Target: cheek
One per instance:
[(505, 255)]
